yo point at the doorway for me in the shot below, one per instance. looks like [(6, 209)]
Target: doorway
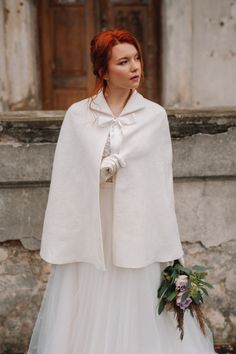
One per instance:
[(66, 28)]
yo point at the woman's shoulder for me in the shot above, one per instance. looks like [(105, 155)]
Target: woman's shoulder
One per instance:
[(78, 106), (154, 107), (76, 112)]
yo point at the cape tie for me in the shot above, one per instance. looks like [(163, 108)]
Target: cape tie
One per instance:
[(103, 120), (116, 128)]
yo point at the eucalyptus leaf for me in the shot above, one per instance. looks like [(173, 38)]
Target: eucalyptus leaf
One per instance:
[(185, 270), (199, 268), (169, 291), (184, 296), (207, 284), (164, 295), (205, 291), (171, 296), (174, 275), (197, 298), (161, 307), (162, 289)]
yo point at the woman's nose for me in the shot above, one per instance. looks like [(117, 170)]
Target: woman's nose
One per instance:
[(134, 65)]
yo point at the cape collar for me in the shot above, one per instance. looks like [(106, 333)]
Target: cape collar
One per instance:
[(134, 103)]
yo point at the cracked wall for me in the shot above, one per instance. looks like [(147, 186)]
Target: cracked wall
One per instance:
[(19, 79), (199, 53)]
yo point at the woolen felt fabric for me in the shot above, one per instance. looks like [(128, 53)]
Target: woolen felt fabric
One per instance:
[(145, 228)]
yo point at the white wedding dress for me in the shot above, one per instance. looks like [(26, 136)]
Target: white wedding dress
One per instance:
[(89, 311)]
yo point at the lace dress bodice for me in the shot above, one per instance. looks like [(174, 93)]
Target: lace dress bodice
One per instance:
[(113, 142), (107, 147)]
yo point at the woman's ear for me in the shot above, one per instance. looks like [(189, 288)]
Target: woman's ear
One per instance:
[(104, 76)]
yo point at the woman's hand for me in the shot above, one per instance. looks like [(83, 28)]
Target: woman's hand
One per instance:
[(181, 261), (110, 166)]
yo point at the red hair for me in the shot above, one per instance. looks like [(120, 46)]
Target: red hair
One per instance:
[(100, 52)]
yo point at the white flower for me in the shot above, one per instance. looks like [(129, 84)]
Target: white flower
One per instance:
[(181, 283), (182, 277)]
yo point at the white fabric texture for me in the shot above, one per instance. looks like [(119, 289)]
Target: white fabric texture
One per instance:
[(110, 166), (145, 228), (111, 160), (89, 311)]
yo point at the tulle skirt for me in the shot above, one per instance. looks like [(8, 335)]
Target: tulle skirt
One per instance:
[(89, 311)]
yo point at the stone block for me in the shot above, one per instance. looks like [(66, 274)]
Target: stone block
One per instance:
[(26, 162), (203, 155), (231, 280), (21, 214), (206, 210)]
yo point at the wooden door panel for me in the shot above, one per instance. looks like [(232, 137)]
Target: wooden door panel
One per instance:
[(143, 18), (135, 19), (62, 97), (66, 28), (69, 40)]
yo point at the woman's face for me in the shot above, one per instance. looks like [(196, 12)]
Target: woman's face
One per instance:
[(124, 67)]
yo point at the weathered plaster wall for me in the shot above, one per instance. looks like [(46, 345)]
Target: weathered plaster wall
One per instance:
[(199, 53), (205, 195), (23, 278), (19, 79)]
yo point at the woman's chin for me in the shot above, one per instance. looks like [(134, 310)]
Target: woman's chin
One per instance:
[(135, 85)]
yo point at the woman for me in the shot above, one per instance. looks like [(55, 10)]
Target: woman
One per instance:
[(110, 220)]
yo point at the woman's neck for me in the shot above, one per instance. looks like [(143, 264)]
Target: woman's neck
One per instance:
[(117, 99)]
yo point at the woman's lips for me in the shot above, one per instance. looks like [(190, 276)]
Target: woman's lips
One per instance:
[(135, 78)]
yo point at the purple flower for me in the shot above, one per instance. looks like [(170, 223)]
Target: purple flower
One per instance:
[(181, 283), (183, 305)]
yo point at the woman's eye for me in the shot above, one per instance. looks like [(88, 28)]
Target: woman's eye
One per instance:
[(126, 61)]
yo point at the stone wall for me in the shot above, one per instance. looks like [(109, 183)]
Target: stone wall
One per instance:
[(199, 53), (23, 278), (19, 59), (204, 164)]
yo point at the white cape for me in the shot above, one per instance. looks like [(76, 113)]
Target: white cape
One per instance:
[(145, 228)]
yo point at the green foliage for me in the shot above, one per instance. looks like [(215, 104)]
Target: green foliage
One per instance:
[(195, 289)]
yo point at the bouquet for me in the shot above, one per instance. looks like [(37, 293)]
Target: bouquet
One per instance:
[(183, 289)]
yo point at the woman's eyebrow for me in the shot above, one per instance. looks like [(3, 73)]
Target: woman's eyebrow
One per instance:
[(127, 57), (122, 58)]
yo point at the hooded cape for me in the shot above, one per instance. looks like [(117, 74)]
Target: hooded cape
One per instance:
[(145, 228)]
